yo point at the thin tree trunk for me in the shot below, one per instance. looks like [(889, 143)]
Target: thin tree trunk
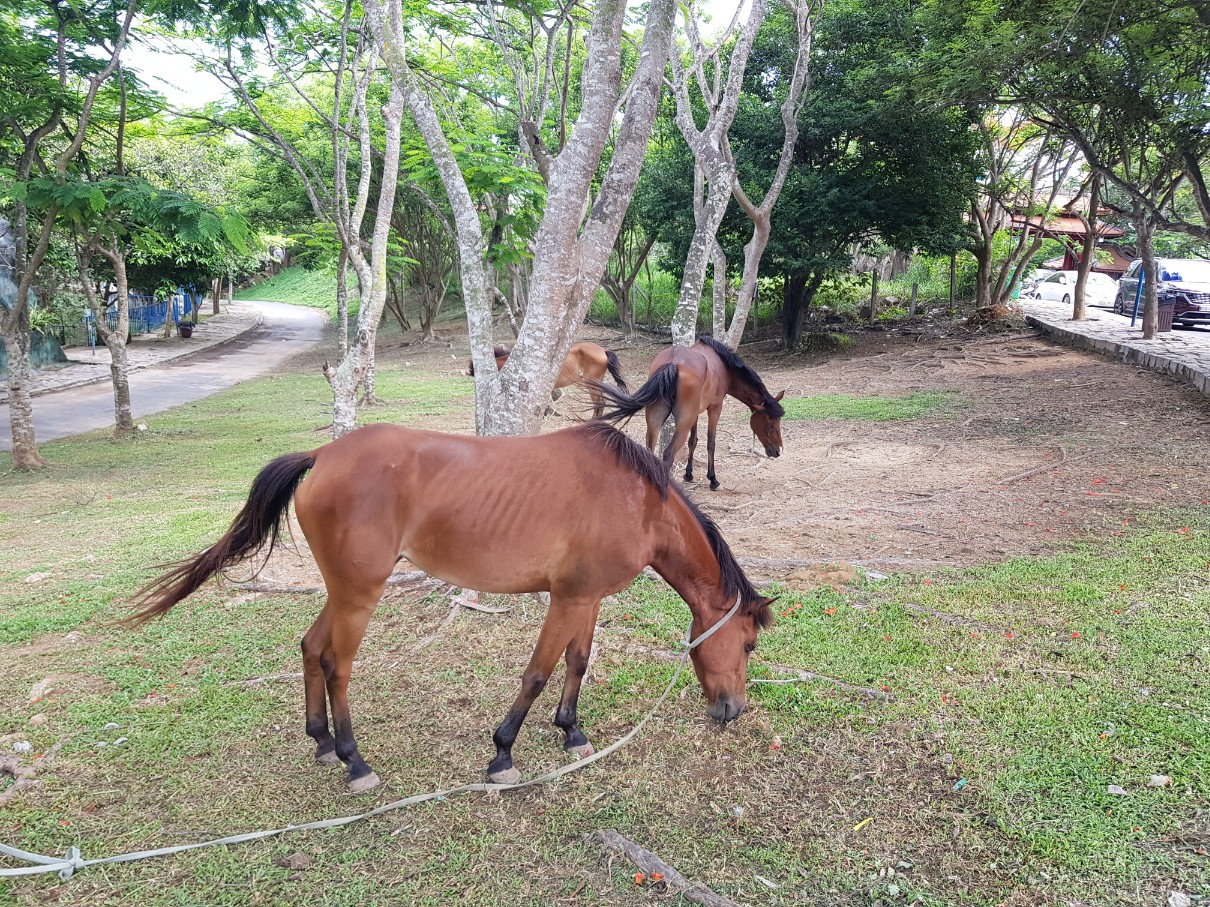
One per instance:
[(1089, 253), (342, 302), (719, 303), (20, 408), (762, 215), (1144, 227)]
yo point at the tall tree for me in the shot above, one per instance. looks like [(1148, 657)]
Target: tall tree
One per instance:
[(577, 230), (55, 59), (703, 80)]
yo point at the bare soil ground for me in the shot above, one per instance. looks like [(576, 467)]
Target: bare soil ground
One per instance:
[(965, 485)]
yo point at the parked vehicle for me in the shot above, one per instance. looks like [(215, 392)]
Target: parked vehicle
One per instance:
[(1029, 289), (1184, 282), (1061, 287)]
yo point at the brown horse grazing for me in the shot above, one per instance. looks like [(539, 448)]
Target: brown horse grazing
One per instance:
[(684, 381), (578, 513), (585, 362)]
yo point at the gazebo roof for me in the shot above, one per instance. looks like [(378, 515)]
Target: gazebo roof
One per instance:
[(1063, 225)]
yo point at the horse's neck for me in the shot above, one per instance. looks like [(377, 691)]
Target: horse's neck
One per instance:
[(685, 559), (743, 391)]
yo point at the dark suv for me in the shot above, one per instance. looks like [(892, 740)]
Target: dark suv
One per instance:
[(1183, 281)]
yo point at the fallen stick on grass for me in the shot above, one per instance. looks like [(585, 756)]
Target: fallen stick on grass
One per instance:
[(651, 865)]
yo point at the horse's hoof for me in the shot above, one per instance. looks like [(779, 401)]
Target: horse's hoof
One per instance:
[(508, 775), (328, 758), (714, 486), (581, 751), (364, 783)]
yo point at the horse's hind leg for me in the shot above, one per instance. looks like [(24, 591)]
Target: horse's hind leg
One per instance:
[(712, 415), (350, 617), (578, 651), (317, 659), (560, 628), (656, 415), (692, 448)]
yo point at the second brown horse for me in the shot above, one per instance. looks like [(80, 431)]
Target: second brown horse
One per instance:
[(586, 361), (578, 513), (686, 381)]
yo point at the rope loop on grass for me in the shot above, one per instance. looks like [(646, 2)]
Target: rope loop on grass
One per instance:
[(72, 862)]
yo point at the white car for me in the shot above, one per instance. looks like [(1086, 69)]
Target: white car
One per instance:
[(1061, 287)]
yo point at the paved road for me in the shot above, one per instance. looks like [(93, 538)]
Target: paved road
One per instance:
[(286, 330)]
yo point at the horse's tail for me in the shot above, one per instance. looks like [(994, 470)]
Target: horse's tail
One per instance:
[(660, 387), (615, 370), (259, 521)]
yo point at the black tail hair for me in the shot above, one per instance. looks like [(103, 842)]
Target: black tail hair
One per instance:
[(615, 370), (622, 405), (260, 521)]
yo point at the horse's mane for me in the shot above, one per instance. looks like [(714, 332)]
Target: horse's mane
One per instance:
[(640, 460), (732, 360), (733, 579), (501, 351), (632, 456)]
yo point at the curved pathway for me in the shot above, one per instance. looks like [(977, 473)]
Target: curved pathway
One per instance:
[(285, 331)]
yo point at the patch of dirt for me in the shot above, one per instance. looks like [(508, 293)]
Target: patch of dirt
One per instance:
[(952, 488)]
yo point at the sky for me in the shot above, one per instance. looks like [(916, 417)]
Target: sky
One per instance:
[(175, 75)]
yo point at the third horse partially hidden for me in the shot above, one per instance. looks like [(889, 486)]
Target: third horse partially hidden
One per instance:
[(586, 361), (684, 382)]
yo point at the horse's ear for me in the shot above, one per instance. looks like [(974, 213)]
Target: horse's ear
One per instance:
[(780, 394)]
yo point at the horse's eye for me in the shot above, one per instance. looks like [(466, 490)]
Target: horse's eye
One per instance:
[(750, 648)]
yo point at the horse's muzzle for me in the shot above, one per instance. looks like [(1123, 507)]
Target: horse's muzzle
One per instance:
[(725, 709), (773, 452)]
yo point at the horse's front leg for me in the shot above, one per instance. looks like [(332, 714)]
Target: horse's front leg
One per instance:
[(560, 627), (578, 652)]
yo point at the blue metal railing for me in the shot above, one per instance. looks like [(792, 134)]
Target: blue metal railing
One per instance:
[(146, 314)]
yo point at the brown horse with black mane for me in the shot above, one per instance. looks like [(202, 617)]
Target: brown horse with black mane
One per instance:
[(586, 361), (578, 513), (687, 380)]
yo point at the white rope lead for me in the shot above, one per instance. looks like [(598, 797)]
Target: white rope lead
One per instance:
[(72, 862)]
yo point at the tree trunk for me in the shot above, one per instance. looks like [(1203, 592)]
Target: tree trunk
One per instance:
[(351, 373), (708, 215), (1089, 253), (115, 341), (797, 295), (20, 409), (1144, 227), (342, 302), (216, 295), (719, 272), (754, 250), (983, 277)]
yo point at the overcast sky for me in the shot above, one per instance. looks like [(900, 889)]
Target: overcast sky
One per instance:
[(175, 75)]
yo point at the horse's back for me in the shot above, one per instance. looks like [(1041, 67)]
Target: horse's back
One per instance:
[(496, 514)]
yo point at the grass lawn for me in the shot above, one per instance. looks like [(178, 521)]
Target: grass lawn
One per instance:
[(968, 761), (298, 286), (872, 408)]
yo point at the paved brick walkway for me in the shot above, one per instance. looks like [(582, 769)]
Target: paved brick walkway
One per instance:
[(1183, 353), (88, 365)]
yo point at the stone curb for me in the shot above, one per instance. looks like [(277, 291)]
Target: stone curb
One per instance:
[(174, 355), (1126, 352)]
